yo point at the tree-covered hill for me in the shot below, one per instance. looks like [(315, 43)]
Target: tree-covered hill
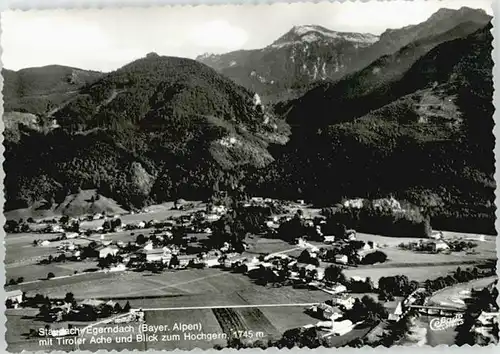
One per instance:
[(39, 90), (156, 128)]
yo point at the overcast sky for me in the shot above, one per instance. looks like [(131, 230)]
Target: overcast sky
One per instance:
[(105, 39)]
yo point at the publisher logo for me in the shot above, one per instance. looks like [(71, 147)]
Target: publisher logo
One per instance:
[(440, 324)]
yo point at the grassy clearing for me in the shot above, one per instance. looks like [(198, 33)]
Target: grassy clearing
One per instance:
[(132, 284), (284, 295), (36, 272), (261, 245), (162, 212), (389, 245), (19, 248), (413, 273)]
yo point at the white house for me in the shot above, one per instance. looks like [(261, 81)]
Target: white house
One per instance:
[(157, 255), (326, 312), (336, 289), (345, 301), (213, 217), (342, 327), (141, 224), (16, 296), (387, 203), (341, 258), (45, 243), (211, 261), (56, 228), (328, 239), (71, 234), (488, 318), (118, 268), (354, 203), (440, 246), (112, 250)]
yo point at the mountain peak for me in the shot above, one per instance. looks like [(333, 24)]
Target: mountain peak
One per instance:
[(444, 13), (314, 33)]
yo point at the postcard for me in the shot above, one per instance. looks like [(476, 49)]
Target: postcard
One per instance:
[(297, 175)]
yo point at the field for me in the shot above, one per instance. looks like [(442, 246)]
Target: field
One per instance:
[(260, 245), (39, 272), (19, 249), (418, 273), (389, 245)]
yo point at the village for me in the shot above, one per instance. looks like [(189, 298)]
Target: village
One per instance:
[(315, 256)]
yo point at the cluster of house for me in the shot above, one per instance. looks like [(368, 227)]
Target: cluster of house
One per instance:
[(89, 309), (331, 312), (436, 245), (148, 253), (381, 203)]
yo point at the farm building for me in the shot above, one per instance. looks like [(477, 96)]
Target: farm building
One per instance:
[(436, 235), (342, 327), (213, 217), (344, 301), (336, 288), (329, 239), (71, 234), (155, 255), (488, 318), (185, 259), (439, 246), (354, 203), (108, 250), (341, 258), (389, 203), (325, 312), (56, 228), (16, 296)]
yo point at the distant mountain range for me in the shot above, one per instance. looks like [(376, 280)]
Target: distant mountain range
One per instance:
[(307, 54), (408, 113)]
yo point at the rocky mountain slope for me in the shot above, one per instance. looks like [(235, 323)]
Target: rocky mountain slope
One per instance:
[(369, 88), (299, 57), (308, 54)]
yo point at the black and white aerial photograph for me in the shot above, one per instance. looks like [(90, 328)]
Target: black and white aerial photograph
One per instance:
[(297, 175)]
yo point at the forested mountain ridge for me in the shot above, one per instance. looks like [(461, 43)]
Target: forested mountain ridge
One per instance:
[(426, 137), (39, 90), (155, 128)]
